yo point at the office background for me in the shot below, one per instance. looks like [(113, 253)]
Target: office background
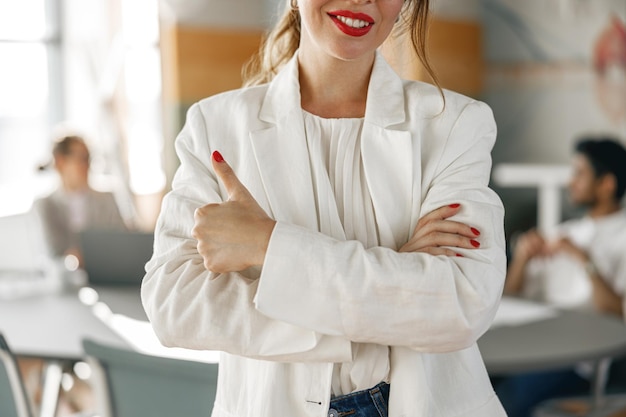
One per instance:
[(124, 72)]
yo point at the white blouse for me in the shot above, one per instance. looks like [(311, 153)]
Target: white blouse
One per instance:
[(77, 208), (335, 153)]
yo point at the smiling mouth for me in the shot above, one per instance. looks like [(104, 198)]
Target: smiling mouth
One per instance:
[(350, 23), (353, 23)]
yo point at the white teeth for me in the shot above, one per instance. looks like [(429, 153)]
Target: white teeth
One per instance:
[(355, 23)]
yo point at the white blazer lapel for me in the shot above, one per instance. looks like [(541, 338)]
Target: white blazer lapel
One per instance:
[(389, 156), (282, 154)]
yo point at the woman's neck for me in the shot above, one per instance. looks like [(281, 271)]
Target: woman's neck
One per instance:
[(333, 88)]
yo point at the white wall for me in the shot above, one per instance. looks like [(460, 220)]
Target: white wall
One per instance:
[(260, 14), (468, 10), (253, 14)]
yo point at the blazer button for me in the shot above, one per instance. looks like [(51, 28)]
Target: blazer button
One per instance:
[(333, 413)]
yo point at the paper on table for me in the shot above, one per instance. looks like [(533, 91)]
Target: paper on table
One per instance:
[(516, 311), (140, 335)]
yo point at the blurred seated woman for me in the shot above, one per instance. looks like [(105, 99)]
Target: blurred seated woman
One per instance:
[(74, 206)]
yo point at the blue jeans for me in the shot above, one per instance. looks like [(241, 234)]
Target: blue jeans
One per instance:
[(371, 402)]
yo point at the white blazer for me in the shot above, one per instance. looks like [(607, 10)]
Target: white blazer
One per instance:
[(284, 326)]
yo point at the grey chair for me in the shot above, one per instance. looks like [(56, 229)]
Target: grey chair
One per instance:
[(138, 385), (13, 398)]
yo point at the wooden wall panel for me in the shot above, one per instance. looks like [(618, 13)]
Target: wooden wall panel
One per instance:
[(199, 62), (455, 52)]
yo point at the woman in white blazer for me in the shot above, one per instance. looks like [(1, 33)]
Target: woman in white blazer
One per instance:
[(332, 231)]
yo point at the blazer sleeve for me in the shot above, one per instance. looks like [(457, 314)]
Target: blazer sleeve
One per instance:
[(377, 295), (193, 308)]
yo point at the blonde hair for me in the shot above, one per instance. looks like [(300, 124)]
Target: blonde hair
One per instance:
[(283, 40)]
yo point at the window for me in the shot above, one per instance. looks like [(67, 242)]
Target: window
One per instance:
[(92, 68), (142, 80), (30, 79)]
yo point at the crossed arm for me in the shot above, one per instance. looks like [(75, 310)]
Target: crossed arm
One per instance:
[(234, 235)]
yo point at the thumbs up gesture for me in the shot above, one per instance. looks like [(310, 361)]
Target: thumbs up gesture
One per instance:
[(232, 235)]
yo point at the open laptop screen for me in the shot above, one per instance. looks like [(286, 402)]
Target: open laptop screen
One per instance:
[(26, 266), (115, 257), (22, 244)]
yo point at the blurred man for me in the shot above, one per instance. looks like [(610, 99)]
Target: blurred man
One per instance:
[(583, 265)]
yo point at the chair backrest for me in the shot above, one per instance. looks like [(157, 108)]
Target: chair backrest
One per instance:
[(13, 399), (139, 385)]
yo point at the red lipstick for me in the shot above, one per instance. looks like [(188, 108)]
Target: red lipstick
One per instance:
[(351, 23)]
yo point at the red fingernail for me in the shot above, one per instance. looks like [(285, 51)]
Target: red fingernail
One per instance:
[(475, 243), (458, 254), (455, 205), (218, 156), (475, 231)]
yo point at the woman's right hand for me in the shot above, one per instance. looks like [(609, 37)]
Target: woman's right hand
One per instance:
[(436, 235), (232, 235)]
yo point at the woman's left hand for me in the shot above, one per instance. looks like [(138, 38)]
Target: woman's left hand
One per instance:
[(435, 234), (232, 235)]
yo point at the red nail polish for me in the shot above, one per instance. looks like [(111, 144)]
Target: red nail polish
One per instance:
[(475, 231), (455, 205), (218, 156), (459, 255), (475, 243)]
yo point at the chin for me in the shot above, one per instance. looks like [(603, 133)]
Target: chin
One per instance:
[(352, 52)]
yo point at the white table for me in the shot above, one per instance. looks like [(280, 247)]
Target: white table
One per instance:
[(52, 327), (561, 341)]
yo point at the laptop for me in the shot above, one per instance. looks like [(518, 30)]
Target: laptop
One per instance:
[(26, 265), (115, 257)]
